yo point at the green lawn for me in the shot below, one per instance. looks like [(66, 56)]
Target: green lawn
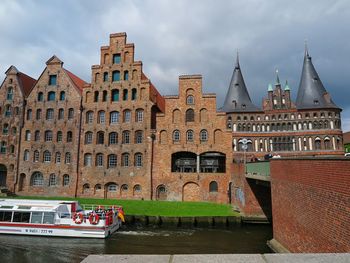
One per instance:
[(155, 208)]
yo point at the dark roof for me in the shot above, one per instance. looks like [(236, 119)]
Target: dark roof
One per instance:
[(346, 137), (311, 93), (237, 97)]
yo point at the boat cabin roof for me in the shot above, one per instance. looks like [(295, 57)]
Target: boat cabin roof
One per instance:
[(33, 205)]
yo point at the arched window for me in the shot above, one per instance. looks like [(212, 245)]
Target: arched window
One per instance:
[(105, 76), (67, 158), (3, 147), (29, 114), (176, 136), (86, 188), (100, 137), (127, 116), (65, 180), (48, 136), (114, 117), (317, 143), (124, 188), (190, 100), (138, 160), (139, 115), (37, 179), (47, 157), (101, 117), (36, 156), (99, 160), (51, 96), (88, 137), (126, 75), (58, 158), (112, 161), (59, 136), (27, 135), (138, 137), (26, 155), (137, 188), (89, 117), (49, 114), (40, 96), (12, 148), (9, 93), (113, 138), (203, 135), (213, 187), (112, 187), (98, 187), (327, 143), (52, 180), (115, 94), (96, 94), (104, 95), (116, 75), (133, 94), (69, 136), (190, 115), (37, 136), (38, 114), (8, 111), (125, 160), (126, 137), (70, 114), (60, 114), (189, 136), (87, 159), (5, 129), (62, 95), (116, 58)]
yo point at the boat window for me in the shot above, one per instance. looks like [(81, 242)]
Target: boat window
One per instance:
[(5, 216), (22, 217), (6, 206), (48, 218), (36, 217), (24, 207)]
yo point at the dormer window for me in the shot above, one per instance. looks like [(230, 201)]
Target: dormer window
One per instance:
[(52, 80), (234, 103), (243, 106), (190, 100), (316, 102)]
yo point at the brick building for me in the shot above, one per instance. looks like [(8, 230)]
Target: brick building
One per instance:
[(13, 92), (191, 162), (311, 126), (48, 157), (117, 137), (119, 119)]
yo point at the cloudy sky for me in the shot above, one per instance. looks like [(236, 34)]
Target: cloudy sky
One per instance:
[(187, 37)]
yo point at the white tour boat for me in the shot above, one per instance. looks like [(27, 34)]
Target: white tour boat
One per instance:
[(57, 218)]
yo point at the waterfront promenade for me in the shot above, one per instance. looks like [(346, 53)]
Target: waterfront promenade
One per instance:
[(222, 258)]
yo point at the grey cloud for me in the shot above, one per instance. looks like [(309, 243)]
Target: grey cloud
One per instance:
[(186, 37)]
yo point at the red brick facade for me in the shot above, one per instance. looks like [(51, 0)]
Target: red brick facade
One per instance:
[(311, 204), (118, 137)]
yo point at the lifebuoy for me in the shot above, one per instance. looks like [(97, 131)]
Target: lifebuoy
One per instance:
[(78, 218), (94, 219)]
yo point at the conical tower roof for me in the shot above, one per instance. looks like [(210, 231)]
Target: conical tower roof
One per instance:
[(237, 97), (311, 92)]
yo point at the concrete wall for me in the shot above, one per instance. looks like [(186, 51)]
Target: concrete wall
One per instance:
[(311, 204)]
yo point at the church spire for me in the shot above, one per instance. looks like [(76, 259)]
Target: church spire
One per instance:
[(311, 92), (237, 97)]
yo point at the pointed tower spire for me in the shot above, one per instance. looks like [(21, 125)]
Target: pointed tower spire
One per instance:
[(311, 92), (286, 87), (277, 78), (237, 97), (306, 50)]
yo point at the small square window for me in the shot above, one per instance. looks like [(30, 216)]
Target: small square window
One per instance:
[(52, 80)]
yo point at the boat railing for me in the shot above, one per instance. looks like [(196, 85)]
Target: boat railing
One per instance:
[(96, 206)]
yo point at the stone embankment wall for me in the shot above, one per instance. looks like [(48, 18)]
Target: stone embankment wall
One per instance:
[(311, 204)]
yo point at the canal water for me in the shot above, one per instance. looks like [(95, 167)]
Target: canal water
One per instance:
[(137, 240)]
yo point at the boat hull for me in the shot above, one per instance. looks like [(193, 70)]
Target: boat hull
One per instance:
[(59, 230)]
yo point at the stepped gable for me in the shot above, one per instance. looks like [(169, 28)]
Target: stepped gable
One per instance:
[(311, 92), (237, 97)]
